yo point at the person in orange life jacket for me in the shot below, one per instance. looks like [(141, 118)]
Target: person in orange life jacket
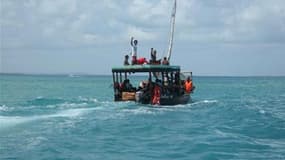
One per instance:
[(156, 94), (188, 85), (134, 44)]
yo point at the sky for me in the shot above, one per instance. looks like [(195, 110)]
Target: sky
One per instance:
[(212, 37)]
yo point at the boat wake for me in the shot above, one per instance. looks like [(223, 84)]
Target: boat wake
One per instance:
[(9, 121), (204, 102), (40, 109)]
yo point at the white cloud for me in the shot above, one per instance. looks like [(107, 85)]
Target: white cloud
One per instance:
[(57, 7), (89, 38), (150, 12), (248, 21), (49, 22), (140, 34), (32, 27)]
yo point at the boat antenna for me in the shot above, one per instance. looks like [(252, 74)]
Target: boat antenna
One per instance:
[(172, 21)]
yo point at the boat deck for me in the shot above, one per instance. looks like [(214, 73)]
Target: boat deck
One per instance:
[(146, 68)]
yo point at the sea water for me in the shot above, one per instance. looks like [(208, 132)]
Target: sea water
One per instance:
[(74, 117)]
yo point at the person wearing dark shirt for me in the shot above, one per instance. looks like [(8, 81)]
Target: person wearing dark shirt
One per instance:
[(127, 86), (153, 55), (126, 62), (153, 59)]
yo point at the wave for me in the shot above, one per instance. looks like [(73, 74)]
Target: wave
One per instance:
[(9, 121), (84, 99), (4, 108), (204, 102), (34, 109), (81, 106), (262, 111), (43, 101), (71, 112), (140, 110), (60, 102), (71, 105), (81, 101)]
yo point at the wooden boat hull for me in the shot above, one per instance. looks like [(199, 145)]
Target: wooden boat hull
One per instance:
[(184, 99), (170, 100)]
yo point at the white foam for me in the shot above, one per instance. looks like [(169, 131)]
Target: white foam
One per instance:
[(4, 108), (40, 97), (82, 98), (174, 106), (93, 100), (262, 111), (8, 121), (70, 113), (205, 102), (72, 105), (148, 110), (220, 133), (141, 110), (210, 101), (34, 142), (51, 106)]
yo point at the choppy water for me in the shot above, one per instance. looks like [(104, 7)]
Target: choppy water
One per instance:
[(62, 117)]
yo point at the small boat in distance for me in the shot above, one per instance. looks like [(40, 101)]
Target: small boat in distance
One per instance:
[(165, 84)]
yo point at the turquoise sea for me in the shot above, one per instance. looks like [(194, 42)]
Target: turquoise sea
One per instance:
[(45, 117)]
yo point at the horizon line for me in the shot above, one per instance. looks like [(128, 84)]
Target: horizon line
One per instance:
[(94, 74)]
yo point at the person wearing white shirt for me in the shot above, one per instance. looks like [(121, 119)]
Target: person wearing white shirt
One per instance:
[(134, 44)]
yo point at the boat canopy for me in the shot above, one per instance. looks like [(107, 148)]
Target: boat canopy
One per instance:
[(146, 68)]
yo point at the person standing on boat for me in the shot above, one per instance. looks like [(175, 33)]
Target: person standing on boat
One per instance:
[(134, 44), (152, 56), (188, 85), (126, 62), (153, 59)]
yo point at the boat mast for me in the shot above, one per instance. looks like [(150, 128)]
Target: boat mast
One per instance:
[(171, 31)]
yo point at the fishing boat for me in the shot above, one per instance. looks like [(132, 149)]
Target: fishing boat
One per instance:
[(164, 84)]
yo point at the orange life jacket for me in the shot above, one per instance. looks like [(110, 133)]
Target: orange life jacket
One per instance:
[(141, 60), (156, 95), (188, 86)]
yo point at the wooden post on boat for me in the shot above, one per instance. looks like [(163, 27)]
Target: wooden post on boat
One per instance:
[(150, 87), (121, 80)]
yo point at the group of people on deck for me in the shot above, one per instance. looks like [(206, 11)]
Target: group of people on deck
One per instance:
[(153, 91), (179, 86), (136, 60)]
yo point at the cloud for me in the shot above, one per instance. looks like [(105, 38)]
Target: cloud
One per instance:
[(140, 34), (51, 35), (56, 7), (65, 23), (247, 21)]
